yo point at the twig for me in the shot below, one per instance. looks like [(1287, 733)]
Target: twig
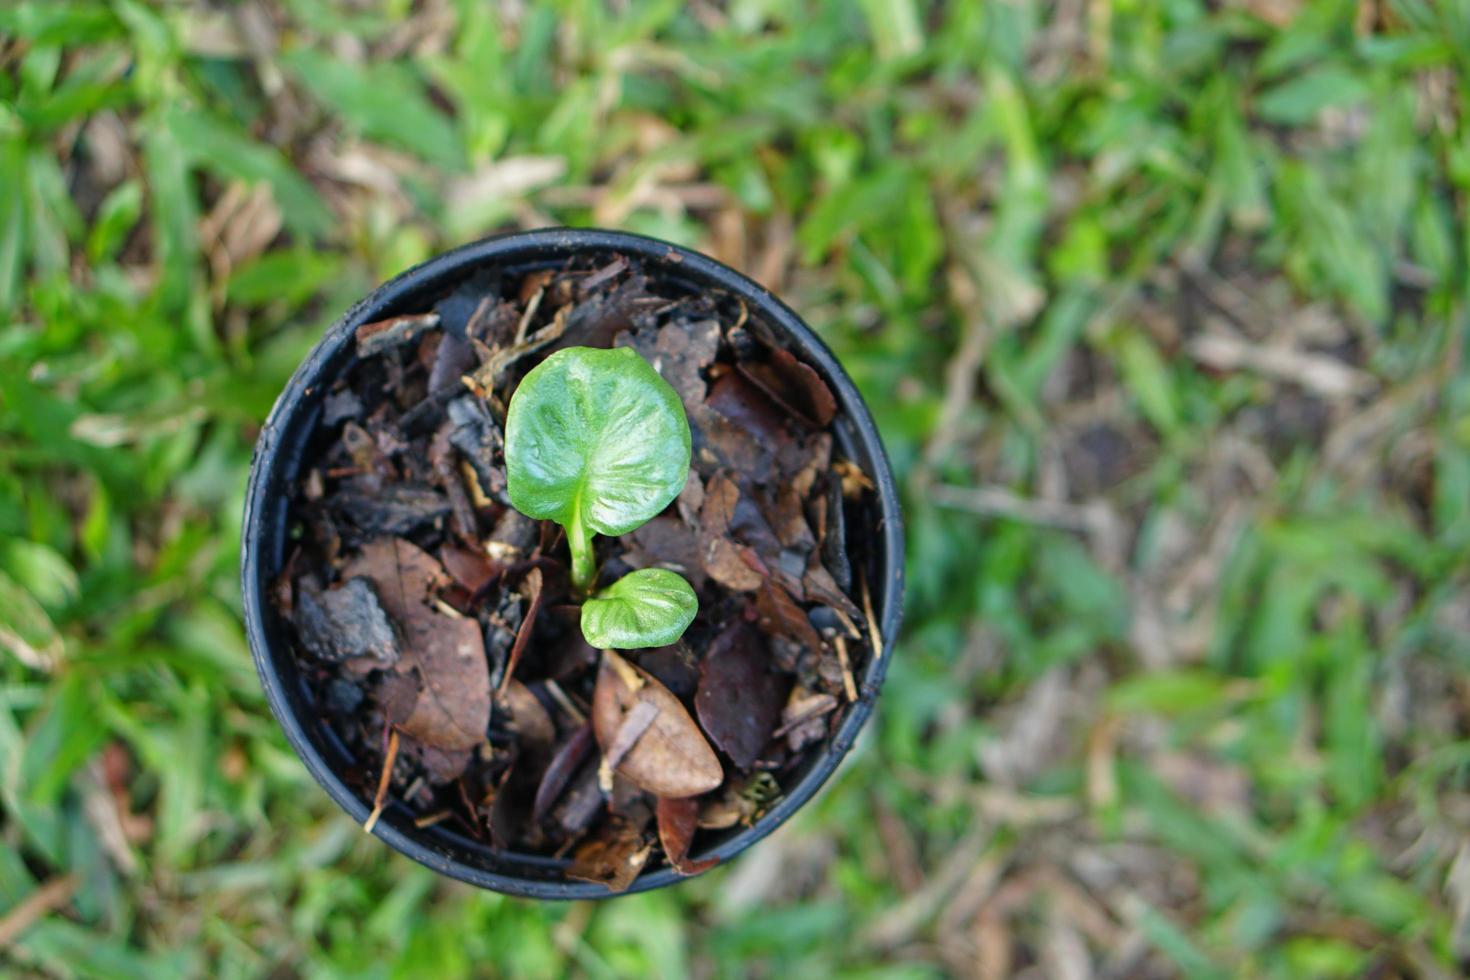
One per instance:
[(1096, 519), (447, 609), (526, 316), (374, 338), (847, 682), (960, 373), (1000, 502), (47, 898), (853, 633), (567, 704), (875, 636), (381, 797), (487, 800), (423, 823), (821, 704), (1319, 373)]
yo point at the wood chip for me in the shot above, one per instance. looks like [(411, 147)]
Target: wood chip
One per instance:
[(374, 338)]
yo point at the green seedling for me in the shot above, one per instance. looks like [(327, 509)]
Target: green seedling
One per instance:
[(598, 442)]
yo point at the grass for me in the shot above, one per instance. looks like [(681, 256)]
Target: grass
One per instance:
[(1162, 310)]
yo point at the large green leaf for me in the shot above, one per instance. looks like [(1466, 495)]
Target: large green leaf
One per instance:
[(651, 607), (595, 439)]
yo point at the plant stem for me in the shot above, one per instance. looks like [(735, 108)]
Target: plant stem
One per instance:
[(584, 566)]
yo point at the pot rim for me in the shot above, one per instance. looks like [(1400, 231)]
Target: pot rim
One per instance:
[(274, 455)]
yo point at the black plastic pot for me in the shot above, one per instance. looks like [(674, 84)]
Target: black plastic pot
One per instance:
[(277, 463)]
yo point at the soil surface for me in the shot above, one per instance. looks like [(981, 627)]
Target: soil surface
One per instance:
[(437, 626)]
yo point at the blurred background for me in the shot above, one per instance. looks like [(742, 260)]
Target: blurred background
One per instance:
[(1161, 308)]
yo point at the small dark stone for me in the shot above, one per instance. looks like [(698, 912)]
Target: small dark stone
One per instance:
[(343, 696), (344, 623), (340, 406), (825, 620)]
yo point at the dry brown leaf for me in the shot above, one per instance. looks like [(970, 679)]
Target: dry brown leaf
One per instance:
[(533, 587), (672, 757), (611, 857), (778, 615), (447, 654), (717, 508), (630, 730), (453, 707), (677, 822), (821, 587), (528, 718), (471, 569), (403, 573), (794, 386), (739, 698), (731, 565), (667, 542)]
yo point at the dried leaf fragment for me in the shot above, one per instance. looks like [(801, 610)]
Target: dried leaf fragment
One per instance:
[(739, 698), (453, 708), (794, 386), (671, 758), (447, 654), (612, 857), (677, 822)]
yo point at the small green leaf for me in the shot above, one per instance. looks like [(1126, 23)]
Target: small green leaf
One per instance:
[(651, 607), (1148, 376), (596, 441), (40, 570), (25, 629), (1299, 101), (115, 219)]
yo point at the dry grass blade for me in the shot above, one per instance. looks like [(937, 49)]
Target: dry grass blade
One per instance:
[(903, 922), (46, 899), (1319, 373), (385, 779)]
